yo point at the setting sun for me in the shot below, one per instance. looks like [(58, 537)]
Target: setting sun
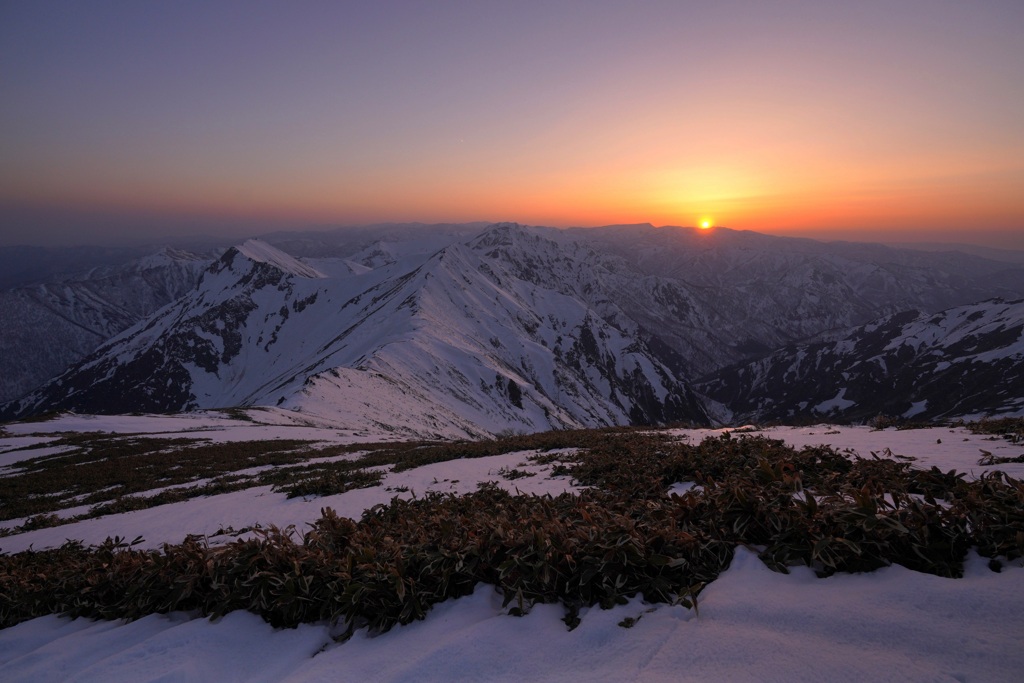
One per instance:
[(706, 223)]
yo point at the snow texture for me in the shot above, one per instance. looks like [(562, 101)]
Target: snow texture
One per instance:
[(753, 624)]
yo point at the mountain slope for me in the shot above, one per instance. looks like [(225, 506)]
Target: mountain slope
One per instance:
[(725, 296), (49, 326), (514, 328), (456, 344), (967, 360)]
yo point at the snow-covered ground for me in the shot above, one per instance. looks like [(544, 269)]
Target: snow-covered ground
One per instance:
[(753, 624), (947, 448)]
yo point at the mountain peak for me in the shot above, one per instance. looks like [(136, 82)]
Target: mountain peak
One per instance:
[(169, 255), (531, 327), (261, 252), (507, 234)]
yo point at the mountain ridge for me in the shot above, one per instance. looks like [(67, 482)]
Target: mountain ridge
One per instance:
[(50, 325), (965, 361), (515, 327)]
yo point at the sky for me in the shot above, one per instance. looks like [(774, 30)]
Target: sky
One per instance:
[(897, 120)]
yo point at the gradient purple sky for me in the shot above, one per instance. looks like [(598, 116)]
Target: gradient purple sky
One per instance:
[(897, 120)]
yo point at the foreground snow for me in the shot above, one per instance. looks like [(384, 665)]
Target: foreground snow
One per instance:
[(753, 624)]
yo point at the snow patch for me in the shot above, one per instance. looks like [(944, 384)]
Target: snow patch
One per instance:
[(838, 402), (916, 408), (260, 251)]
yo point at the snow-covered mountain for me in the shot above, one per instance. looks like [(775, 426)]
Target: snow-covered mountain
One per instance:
[(967, 360), (456, 344), (344, 243), (435, 333), (722, 296), (49, 326)]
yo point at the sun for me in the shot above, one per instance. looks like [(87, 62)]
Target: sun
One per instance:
[(706, 223)]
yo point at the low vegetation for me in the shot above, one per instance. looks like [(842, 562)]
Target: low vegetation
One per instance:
[(111, 473), (621, 537), (1010, 428)]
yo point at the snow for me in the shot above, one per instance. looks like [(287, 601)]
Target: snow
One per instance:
[(947, 448), (838, 402), (258, 250), (259, 505), (679, 488), (944, 447), (752, 625), (916, 408), (962, 324)]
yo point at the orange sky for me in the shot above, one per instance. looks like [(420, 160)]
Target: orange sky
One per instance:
[(875, 120)]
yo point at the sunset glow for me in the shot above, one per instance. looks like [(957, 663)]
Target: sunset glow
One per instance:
[(831, 120)]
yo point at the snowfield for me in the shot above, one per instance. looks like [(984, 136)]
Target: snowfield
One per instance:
[(752, 624)]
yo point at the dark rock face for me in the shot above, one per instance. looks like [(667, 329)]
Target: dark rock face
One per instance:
[(50, 326), (153, 376), (963, 361)]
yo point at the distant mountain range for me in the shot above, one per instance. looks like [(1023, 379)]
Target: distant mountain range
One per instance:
[(967, 360), (471, 330), (50, 325)]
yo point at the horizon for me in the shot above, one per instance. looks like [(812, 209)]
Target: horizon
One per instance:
[(880, 122), (1006, 242), (1011, 244)]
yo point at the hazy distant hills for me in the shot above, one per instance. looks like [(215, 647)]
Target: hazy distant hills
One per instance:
[(471, 330), (993, 253)]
